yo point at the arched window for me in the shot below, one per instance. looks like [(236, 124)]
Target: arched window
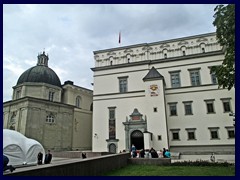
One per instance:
[(78, 101), (202, 45), (112, 148)]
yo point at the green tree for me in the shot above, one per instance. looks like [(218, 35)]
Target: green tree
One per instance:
[(225, 26)]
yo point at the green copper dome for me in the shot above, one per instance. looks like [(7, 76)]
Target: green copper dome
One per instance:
[(40, 73)]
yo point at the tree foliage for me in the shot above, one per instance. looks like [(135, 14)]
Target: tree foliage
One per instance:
[(225, 29)]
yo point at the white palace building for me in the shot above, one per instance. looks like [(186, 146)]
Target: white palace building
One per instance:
[(162, 95)]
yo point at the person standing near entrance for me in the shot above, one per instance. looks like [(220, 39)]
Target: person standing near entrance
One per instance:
[(133, 151)]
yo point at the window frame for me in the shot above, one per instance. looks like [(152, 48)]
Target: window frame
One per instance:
[(123, 84), (50, 119), (188, 103), (176, 132), (212, 130), (193, 76), (112, 122), (177, 78), (230, 129), (172, 104), (191, 130), (78, 101), (226, 100), (51, 95), (210, 101)]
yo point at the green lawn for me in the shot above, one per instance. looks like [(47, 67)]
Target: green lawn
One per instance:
[(152, 170)]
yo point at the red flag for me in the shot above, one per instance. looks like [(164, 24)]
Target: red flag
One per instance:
[(119, 40)]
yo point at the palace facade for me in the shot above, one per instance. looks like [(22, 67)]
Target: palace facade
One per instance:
[(162, 95)]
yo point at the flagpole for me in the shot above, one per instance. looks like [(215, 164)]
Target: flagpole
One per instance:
[(119, 38)]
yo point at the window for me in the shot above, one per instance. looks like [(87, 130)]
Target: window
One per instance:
[(111, 113), (226, 105), (50, 119), (188, 107), (230, 132), (195, 77), (191, 133), (78, 101), (214, 133), (214, 78), (51, 96), (203, 50), (175, 134), (112, 125), (123, 84), (173, 109), (165, 55), (159, 137), (18, 94), (210, 106), (175, 79), (154, 109), (184, 53)]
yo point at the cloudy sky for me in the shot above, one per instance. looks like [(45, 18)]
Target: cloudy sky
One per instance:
[(70, 33)]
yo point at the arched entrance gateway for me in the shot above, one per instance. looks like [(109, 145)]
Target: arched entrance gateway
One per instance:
[(137, 139), (134, 128)]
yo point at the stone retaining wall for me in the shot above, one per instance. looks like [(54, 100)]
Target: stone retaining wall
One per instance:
[(77, 167)]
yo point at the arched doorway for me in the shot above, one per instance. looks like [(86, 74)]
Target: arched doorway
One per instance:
[(137, 139), (112, 148)]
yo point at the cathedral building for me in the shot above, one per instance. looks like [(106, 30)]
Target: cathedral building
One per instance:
[(58, 116), (162, 95)]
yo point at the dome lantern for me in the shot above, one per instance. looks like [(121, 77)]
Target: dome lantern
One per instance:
[(42, 59)]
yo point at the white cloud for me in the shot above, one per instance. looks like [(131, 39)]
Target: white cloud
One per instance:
[(70, 33)]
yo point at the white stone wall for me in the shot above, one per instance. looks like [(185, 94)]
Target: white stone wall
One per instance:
[(106, 92)]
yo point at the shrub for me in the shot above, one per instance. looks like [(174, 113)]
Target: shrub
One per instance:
[(201, 163)]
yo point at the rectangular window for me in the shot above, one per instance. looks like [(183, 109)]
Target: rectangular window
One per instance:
[(214, 133), (51, 96), (159, 137), (175, 134), (123, 86), (214, 78), (195, 77), (230, 132), (50, 119), (154, 109), (226, 105), (112, 124), (173, 109), (111, 113), (175, 79), (191, 133), (188, 107), (210, 106)]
